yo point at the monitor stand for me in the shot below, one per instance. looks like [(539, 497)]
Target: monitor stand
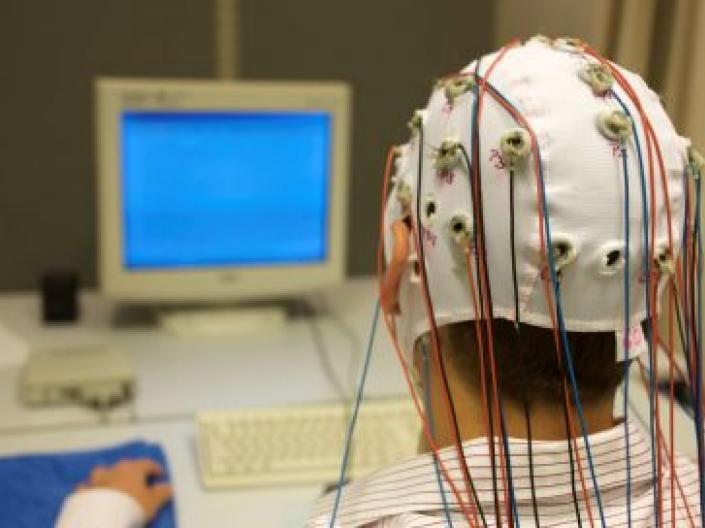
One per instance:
[(217, 321)]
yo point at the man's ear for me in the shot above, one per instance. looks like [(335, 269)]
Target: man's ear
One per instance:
[(389, 296)]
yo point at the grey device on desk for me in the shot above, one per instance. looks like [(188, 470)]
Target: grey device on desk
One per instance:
[(101, 377)]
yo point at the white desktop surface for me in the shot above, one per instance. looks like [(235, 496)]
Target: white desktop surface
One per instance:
[(179, 376)]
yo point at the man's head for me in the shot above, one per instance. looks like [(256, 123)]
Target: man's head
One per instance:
[(527, 197)]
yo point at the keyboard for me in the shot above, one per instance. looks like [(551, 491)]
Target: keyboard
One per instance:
[(302, 444)]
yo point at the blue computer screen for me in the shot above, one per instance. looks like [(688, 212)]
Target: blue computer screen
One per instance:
[(209, 189)]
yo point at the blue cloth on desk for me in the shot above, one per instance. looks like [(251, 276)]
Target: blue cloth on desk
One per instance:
[(33, 487)]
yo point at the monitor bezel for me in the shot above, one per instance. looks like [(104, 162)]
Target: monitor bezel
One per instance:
[(217, 283)]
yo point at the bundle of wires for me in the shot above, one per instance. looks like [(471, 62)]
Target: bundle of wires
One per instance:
[(669, 267)]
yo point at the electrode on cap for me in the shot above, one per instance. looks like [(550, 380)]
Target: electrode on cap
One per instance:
[(664, 262), (396, 158), (696, 162), (615, 125), (612, 258), (416, 121), (598, 76), (457, 86), (430, 210), (402, 191), (460, 228), (571, 44), (515, 145), (564, 253), (448, 154), (543, 39)]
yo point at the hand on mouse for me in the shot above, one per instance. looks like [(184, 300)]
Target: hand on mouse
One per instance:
[(131, 477)]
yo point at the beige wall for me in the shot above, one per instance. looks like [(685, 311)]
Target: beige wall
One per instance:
[(688, 82), (556, 18)]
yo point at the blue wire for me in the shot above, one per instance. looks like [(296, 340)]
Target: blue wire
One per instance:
[(432, 427), (561, 327), (561, 324), (353, 418), (626, 335), (647, 289), (571, 372)]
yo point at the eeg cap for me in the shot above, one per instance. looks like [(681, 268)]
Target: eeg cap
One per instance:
[(584, 139)]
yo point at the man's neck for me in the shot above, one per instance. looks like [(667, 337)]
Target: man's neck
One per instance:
[(547, 420)]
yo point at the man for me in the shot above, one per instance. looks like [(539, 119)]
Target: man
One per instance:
[(536, 215)]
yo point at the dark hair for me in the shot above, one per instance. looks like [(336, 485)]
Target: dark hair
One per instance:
[(526, 363)]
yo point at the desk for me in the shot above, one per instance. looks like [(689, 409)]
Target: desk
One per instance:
[(178, 376)]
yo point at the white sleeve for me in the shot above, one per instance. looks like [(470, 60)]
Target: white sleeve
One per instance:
[(100, 508)]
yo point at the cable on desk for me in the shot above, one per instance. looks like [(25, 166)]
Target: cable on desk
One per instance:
[(329, 371), (355, 348), (344, 390), (356, 408), (324, 359)]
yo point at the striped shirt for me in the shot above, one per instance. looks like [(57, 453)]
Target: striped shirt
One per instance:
[(407, 494)]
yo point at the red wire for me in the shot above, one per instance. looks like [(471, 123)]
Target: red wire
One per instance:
[(435, 348), (652, 144), (485, 79), (650, 136), (572, 427), (644, 380), (470, 515), (686, 289), (488, 316), (480, 353), (676, 366), (436, 353)]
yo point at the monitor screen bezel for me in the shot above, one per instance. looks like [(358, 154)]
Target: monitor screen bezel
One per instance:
[(116, 96)]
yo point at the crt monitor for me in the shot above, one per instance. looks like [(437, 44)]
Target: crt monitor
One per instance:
[(214, 190)]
